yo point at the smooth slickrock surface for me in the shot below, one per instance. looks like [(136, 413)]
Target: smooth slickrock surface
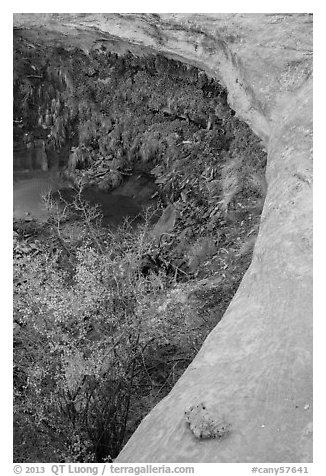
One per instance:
[(254, 371)]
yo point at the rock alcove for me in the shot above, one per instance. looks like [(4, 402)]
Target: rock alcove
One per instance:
[(254, 368)]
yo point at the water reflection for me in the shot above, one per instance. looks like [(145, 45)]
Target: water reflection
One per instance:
[(35, 156), (37, 171), (114, 207)]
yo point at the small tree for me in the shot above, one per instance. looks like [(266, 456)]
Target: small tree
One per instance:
[(85, 331)]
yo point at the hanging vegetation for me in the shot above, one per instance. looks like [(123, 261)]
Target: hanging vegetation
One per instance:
[(106, 322)]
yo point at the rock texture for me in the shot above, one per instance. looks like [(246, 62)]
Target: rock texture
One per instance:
[(254, 371)]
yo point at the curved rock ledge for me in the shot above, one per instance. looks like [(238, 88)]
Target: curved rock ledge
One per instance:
[(254, 372)]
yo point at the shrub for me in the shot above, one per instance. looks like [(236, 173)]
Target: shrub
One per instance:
[(85, 342), (103, 329)]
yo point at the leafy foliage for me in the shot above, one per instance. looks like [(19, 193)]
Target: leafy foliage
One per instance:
[(126, 113), (101, 334), (88, 343)]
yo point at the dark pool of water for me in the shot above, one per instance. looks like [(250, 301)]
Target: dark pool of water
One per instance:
[(114, 207), (32, 180)]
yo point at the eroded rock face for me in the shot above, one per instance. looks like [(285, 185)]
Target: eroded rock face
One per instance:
[(255, 368)]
